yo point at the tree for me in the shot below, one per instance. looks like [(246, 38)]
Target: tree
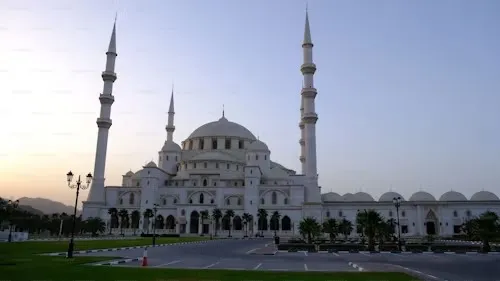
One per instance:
[(309, 228), (148, 213), (487, 228), (135, 217), (123, 214), (229, 214), (113, 213), (95, 226), (246, 220), (204, 216), (384, 231), (369, 221), (469, 227), (345, 227), (262, 215), (275, 220), (216, 216), (331, 226)]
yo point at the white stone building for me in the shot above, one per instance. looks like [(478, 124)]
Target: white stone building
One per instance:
[(223, 165)]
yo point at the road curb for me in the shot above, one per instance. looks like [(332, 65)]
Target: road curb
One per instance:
[(115, 262), (125, 248), (402, 253)]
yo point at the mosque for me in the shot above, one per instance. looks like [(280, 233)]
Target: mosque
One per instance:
[(222, 165)]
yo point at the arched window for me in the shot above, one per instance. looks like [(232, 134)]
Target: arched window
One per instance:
[(340, 213), (262, 201), (286, 223), (214, 143), (228, 166), (239, 201), (274, 198), (166, 157), (327, 214), (194, 165), (216, 165), (201, 197), (285, 201), (455, 214), (205, 165), (121, 201), (390, 214), (256, 157), (468, 213), (205, 181), (190, 145), (265, 157), (190, 201), (164, 201), (403, 214), (228, 202), (131, 199), (211, 201), (175, 201)]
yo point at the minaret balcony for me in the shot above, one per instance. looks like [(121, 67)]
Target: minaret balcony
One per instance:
[(106, 99), (104, 122), (302, 159), (109, 76), (308, 68), (302, 142), (301, 124), (310, 118), (309, 92)]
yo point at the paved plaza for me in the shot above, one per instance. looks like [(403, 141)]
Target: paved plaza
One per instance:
[(259, 255)]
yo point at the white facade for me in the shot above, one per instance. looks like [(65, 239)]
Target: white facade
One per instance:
[(223, 165)]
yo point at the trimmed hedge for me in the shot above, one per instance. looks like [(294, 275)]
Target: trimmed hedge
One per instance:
[(455, 248), (294, 247), (341, 247), (159, 235), (416, 247), (388, 247)]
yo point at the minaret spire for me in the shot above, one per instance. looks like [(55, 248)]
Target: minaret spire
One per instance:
[(309, 116), (170, 125), (96, 196)]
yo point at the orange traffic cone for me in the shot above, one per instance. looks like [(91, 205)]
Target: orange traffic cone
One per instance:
[(145, 257)]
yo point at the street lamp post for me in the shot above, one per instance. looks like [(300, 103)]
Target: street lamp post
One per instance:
[(155, 209), (397, 204), (78, 186), (12, 206)]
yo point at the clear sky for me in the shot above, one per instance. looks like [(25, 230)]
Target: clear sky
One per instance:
[(408, 98)]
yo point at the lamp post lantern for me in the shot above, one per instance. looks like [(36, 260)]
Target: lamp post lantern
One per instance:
[(11, 206), (78, 186), (155, 209), (397, 204)]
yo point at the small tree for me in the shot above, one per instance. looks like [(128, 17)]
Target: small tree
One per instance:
[(204, 216), (229, 214), (275, 220), (135, 218), (309, 228), (331, 227), (123, 214), (148, 213), (345, 227), (262, 215), (369, 221), (246, 220), (487, 228), (113, 223), (216, 216)]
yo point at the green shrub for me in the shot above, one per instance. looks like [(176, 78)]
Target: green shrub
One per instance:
[(297, 246), (416, 247), (455, 248), (341, 247), (388, 247)]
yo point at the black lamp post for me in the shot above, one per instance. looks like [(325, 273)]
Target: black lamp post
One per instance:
[(12, 206), (397, 204), (155, 209), (78, 186)]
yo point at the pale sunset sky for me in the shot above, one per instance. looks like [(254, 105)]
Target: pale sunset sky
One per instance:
[(408, 91)]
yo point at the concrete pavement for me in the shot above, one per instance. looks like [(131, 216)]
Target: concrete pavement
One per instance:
[(254, 255)]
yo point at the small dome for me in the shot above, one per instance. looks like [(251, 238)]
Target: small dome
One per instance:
[(330, 196), (389, 196), (363, 196), (257, 145), (151, 165), (484, 196), (422, 196), (129, 174), (348, 197), (452, 196), (171, 146), (222, 128)]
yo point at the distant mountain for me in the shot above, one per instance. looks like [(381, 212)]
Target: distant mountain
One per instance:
[(47, 206), (31, 210)]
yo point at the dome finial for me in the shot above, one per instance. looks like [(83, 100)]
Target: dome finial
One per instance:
[(223, 110)]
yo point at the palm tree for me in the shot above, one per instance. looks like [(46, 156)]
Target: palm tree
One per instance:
[(262, 215), (135, 217), (345, 227), (123, 214), (309, 228), (216, 216), (246, 220), (487, 227), (275, 219), (95, 226), (113, 213), (369, 221), (204, 216), (148, 213), (331, 227), (229, 214), (384, 231)]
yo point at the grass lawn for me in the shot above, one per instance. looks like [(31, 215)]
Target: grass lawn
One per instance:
[(19, 262)]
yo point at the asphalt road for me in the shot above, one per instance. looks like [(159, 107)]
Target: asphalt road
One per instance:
[(237, 255)]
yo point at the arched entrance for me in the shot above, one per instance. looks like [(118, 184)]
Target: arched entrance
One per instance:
[(194, 222), (286, 223), (237, 223), (431, 223), (170, 222)]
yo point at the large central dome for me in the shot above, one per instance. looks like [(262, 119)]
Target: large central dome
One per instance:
[(222, 128)]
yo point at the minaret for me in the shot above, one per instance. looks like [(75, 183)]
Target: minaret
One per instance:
[(170, 124), (97, 193), (309, 117), (302, 141)]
